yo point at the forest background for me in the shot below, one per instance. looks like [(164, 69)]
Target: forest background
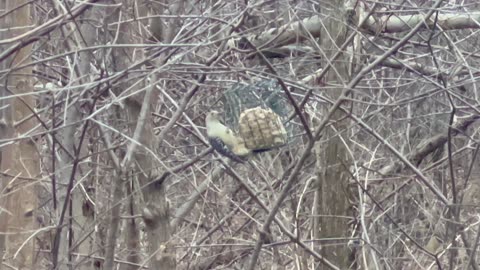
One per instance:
[(105, 163)]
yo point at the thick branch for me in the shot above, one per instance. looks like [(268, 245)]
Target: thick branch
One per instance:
[(293, 32), (394, 24), (427, 147)]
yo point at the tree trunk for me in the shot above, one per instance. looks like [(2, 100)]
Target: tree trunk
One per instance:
[(19, 161), (331, 201)]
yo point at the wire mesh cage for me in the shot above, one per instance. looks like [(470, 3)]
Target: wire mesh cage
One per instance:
[(241, 99)]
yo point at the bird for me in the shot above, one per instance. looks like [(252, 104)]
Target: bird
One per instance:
[(224, 140)]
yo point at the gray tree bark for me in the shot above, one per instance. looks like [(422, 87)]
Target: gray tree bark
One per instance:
[(19, 161), (332, 207)]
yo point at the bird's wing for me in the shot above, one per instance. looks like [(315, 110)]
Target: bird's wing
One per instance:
[(223, 149)]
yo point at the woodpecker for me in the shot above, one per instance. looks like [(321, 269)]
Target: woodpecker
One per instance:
[(224, 140)]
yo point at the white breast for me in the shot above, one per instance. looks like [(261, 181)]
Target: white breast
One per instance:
[(216, 129)]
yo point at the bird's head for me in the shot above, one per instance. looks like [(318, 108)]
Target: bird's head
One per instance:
[(213, 116)]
